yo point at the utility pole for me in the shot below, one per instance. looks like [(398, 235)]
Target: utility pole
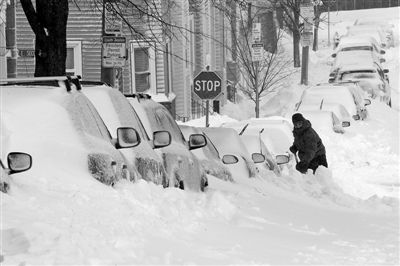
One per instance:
[(11, 44), (329, 25), (307, 13)]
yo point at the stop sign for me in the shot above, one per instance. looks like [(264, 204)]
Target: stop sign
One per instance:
[(207, 85)]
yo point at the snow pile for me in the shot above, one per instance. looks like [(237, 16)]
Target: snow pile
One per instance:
[(348, 214)]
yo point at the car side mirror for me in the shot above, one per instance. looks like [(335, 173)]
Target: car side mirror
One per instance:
[(386, 71), (382, 60), (161, 139), (197, 141), (282, 159), (333, 55), (229, 159), (258, 158), (382, 52), (367, 102), (356, 117), (19, 162), (345, 123), (127, 137)]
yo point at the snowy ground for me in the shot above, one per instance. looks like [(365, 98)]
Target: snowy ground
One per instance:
[(347, 216)]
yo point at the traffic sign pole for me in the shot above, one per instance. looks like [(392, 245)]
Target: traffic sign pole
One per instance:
[(207, 113), (307, 13)]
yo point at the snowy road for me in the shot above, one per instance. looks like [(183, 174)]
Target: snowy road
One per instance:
[(349, 218)]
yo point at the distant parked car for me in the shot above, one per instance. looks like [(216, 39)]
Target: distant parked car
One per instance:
[(16, 162), (359, 43), (348, 57), (262, 157), (339, 94), (208, 155), (339, 111), (228, 143), (325, 121), (116, 111), (53, 121), (370, 31), (275, 132), (371, 78), (184, 170), (387, 28)]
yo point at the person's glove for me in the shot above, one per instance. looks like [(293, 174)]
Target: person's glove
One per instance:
[(293, 149), (302, 167)]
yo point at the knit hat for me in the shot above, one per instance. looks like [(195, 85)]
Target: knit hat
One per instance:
[(297, 117)]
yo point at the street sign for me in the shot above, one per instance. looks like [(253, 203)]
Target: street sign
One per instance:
[(112, 21), (307, 39), (207, 85), (307, 13), (257, 50), (256, 32), (26, 52), (114, 51)]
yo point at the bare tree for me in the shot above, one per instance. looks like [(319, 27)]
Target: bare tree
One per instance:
[(49, 24), (259, 78), (291, 17), (320, 7)]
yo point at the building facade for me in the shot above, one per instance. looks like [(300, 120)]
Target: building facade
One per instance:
[(159, 61)]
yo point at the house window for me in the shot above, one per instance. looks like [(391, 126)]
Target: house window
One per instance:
[(73, 63), (143, 68)]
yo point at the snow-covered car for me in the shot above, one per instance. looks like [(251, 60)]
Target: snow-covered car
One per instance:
[(370, 31), (337, 94), (183, 169), (325, 121), (359, 43), (116, 111), (348, 57), (17, 162), (262, 157), (208, 155), (371, 78), (387, 28), (227, 142), (336, 108), (275, 132), (51, 119)]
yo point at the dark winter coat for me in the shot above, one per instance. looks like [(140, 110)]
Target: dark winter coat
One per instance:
[(307, 143)]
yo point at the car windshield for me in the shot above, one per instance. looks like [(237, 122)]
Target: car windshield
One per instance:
[(359, 75), (356, 48)]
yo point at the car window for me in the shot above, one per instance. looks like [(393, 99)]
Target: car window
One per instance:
[(90, 121), (211, 146), (127, 115), (167, 123)]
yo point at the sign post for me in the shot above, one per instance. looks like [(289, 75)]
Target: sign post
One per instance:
[(207, 86), (114, 51), (307, 13)]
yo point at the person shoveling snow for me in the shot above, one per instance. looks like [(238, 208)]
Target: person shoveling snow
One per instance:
[(308, 144)]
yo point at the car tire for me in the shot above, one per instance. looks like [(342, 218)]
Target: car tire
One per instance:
[(390, 102)]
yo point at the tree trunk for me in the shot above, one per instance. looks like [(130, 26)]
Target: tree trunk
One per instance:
[(296, 40), (49, 23), (315, 42), (296, 48)]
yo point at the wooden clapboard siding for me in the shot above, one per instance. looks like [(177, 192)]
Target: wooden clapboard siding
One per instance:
[(84, 24), (180, 74)]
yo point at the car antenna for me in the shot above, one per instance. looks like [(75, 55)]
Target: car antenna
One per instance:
[(241, 132), (322, 102)]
